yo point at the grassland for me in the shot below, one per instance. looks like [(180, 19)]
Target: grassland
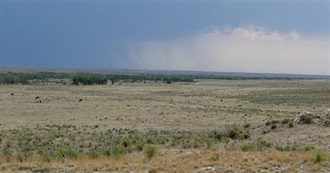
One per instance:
[(205, 126)]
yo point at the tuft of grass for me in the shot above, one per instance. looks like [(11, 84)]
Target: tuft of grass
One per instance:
[(126, 143), (263, 144), (308, 148), (66, 152), (20, 157), (248, 147), (47, 158), (209, 144), (139, 146), (118, 151), (94, 154), (319, 157), (150, 151), (215, 157)]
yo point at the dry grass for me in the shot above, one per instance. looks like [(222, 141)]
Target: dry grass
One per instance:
[(189, 160)]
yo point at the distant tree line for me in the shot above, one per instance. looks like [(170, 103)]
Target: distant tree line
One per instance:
[(89, 78), (102, 79), (23, 78)]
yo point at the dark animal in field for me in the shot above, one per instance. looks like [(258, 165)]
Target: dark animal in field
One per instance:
[(37, 97), (12, 94), (80, 100)]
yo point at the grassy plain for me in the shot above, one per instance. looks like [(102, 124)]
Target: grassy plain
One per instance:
[(206, 126)]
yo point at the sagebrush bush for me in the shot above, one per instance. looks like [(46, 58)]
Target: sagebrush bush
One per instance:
[(306, 118)]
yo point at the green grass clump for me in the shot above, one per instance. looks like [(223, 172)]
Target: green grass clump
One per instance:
[(248, 147), (47, 157), (308, 148), (319, 157), (118, 151), (150, 151), (263, 144), (66, 152)]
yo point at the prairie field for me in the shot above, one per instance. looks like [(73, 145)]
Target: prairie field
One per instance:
[(204, 126)]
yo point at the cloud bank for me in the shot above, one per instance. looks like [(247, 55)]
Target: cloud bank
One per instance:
[(244, 49)]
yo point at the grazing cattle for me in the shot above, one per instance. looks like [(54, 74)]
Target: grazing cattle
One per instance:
[(37, 97), (12, 94), (80, 100)]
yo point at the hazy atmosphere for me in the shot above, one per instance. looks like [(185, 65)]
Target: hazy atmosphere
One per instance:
[(224, 36)]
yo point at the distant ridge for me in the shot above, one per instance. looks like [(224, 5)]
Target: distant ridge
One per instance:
[(164, 72)]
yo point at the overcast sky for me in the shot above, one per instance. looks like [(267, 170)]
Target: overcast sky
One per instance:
[(225, 36)]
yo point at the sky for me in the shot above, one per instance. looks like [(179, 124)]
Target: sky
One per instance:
[(221, 36)]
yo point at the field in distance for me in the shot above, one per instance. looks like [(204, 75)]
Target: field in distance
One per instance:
[(140, 127)]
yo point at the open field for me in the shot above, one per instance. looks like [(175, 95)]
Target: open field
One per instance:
[(206, 126)]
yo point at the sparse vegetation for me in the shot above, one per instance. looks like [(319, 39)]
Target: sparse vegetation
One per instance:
[(145, 124)]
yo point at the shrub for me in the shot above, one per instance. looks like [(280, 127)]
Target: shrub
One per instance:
[(237, 133), (306, 118), (265, 131), (327, 123), (273, 126), (263, 144), (309, 148), (291, 124), (246, 126)]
